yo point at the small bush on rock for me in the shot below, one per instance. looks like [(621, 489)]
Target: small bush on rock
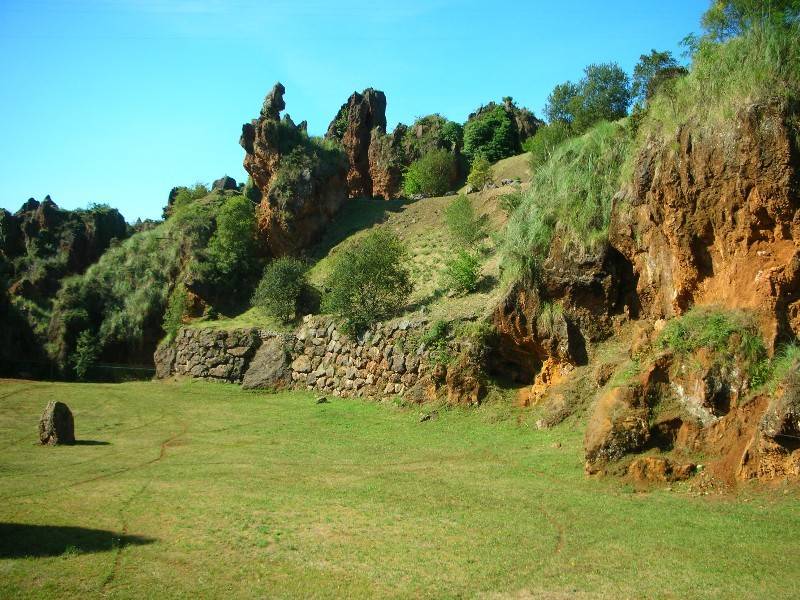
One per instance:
[(281, 288), (368, 281), (431, 175), (176, 307)]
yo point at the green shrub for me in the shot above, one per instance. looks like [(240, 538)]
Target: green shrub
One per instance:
[(464, 227), (432, 132), (86, 352), (281, 288), (491, 134), (431, 175), (545, 141), (176, 308), (603, 94), (729, 334), (462, 272), (569, 198), (550, 317), (480, 174), (511, 201), (435, 341), (368, 280)]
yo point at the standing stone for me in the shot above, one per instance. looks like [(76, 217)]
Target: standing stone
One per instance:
[(56, 425), (269, 367)]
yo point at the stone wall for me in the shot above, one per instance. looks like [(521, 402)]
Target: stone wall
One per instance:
[(386, 360)]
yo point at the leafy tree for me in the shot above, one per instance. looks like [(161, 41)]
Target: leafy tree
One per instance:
[(281, 287), (229, 260), (604, 93), (86, 352), (368, 280), (432, 132), (651, 70), (462, 272), (491, 134), (545, 141), (728, 18), (431, 175), (464, 227), (562, 102), (480, 174)]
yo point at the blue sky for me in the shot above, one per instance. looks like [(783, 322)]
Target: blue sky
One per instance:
[(119, 100)]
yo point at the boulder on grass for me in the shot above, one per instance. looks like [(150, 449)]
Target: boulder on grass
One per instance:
[(56, 425)]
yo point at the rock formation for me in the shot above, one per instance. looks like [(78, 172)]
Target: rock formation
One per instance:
[(354, 126), (224, 183), (56, 426), (712, 218), (302, 182)]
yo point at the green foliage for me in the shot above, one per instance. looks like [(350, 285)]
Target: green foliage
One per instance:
[(86, 352), (368, 280), (435, 341), (490, 134), (480, 174), (785, 363), (340, 124), (229, 262), (604, 93), (281, 288), (728, 18), (432, 132), (462, 272), (650, 72), (463, 225), (569, 199), (251, 191), (550, 317), (184, 196), (176, 308), (729, 334), (545, 141), (431, 175), (511, 201)]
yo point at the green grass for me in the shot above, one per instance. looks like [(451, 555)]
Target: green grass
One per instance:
[(569, 200), (203, 490)]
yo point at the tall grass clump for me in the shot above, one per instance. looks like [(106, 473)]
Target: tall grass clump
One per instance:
[(759, 65), (569, 200)]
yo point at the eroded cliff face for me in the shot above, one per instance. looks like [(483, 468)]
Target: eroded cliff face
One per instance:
[(358, 121), (711, 217), (302, 183)]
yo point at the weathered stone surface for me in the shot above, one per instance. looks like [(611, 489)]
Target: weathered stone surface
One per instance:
[(269, 367), (56, 425), (299, 201), (224, 183)]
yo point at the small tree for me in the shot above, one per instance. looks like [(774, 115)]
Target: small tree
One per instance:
[(480, 174), (464, 227), (368, 280), (86, 352), (462, 272), (281, 287), (431, 175)]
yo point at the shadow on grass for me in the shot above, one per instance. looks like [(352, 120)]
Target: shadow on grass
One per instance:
[(18, 540), (90, 443), (355, 215)]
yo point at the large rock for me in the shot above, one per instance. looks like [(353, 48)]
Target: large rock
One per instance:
[(224, 183), (353, 127), (56, 425), (302, 183), (164, 359), (713, 217), (269, 368)]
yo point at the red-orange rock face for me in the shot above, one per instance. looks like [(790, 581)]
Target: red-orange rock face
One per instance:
[(713, 218), (302, 184)]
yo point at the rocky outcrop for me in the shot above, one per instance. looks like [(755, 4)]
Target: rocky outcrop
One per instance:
[(712, 217), (360, 119), (302, 183), (269, 368), (387, 160), (209, 354), (224, 183), (56, 425)]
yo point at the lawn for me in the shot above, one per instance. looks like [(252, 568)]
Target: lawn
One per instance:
[(201, 490)]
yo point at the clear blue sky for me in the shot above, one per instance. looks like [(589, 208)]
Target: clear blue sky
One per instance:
[(119, 100)]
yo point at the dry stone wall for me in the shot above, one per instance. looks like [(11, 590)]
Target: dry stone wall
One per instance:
[(388, 359)]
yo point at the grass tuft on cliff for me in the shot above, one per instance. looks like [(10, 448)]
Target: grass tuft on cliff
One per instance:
[(569, 199)]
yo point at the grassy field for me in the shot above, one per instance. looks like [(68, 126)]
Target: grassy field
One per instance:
[(202, 490)]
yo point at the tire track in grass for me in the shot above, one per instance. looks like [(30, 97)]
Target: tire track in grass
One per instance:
[(107, 475)]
